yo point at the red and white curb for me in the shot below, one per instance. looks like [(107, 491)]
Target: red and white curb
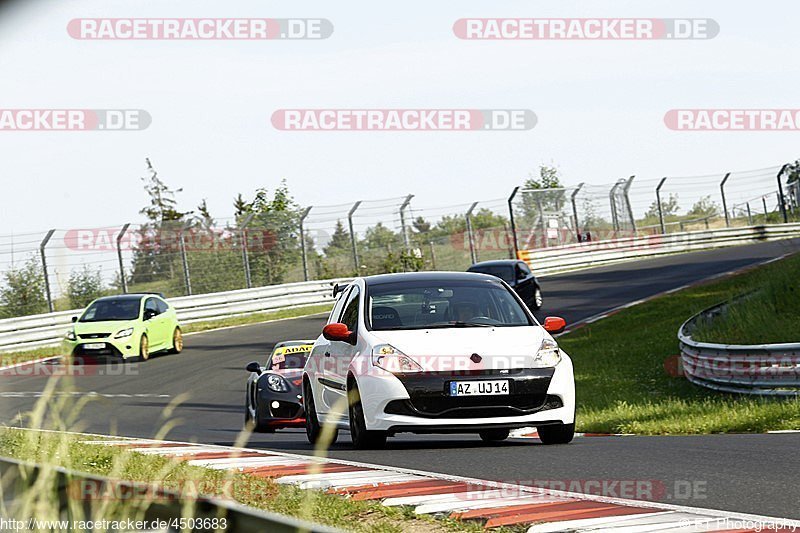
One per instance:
[(492, 503), (532, 433)]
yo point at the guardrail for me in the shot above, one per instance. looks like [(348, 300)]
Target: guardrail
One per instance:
[(765, 369), (72, 497), (588, 254), (36, 331)]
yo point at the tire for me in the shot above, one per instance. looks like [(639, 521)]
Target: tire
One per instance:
[(363, 439), (254, 424), (494, 435), (177, 341), (313, 428), (537, 298), (144, 348), (556, 434)]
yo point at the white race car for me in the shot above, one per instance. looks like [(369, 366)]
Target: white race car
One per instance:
[(436, 352)]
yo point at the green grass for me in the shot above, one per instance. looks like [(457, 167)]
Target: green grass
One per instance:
[(66, 450), (769, 315), (10, 358), (622, 383)]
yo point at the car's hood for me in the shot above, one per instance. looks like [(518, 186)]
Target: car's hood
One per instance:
[(437, 349), (111, 326)]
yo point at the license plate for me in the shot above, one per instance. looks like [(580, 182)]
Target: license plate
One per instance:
[(94, 346), (479, 388)]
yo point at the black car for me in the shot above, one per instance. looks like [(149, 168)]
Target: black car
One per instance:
[(274, 397), (517, 274)]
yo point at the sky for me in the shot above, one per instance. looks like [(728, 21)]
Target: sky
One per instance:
[(600, 105)]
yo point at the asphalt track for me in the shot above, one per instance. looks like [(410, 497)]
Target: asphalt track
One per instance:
[(743, 473)]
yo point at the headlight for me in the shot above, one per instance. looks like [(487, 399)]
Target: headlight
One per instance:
[(124, 333), (277, 383), (70, 336), (548, 355), (392, 360)]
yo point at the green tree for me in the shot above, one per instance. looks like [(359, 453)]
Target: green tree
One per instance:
[(533, 200), (23, 291), (704, 207), (669, 208), (155, 257), (340, 241), (277, 217), (84, 285), (380, 237)]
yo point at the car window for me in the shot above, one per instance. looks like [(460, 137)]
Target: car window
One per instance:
[(504, 272), (350, 313), (289, 357), (337, 307), (120, 309), (443, 304), (162, 306), (151, 305)]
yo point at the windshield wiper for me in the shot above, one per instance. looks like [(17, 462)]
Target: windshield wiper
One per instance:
[(459, 324)]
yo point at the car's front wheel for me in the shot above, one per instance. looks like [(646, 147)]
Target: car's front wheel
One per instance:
[(556, 433), (538, 301), (144, 348), (494, 435), (363, 439), (254, 423), (313, 427)]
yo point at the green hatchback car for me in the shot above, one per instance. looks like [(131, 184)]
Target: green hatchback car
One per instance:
[(124, 327)]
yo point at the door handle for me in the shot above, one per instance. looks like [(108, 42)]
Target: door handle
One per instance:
[(327, 354)]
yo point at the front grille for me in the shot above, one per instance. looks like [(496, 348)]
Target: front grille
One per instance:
[(94, 335), (286, 410), (429, 396), (110, 349)]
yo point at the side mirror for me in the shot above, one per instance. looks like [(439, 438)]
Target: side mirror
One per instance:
[(337, 332), (254, 367), (554, 324), (74, 319)]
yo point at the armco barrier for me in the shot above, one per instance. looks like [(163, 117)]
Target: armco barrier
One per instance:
[(766, 369), (35, 331), (73, 498), (588, 254)]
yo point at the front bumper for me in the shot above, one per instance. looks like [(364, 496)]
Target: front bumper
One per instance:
[(282, 409), (124, 348), (419, 402)]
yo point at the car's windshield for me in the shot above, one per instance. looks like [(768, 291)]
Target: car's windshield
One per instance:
[(504, 272), (445, 304), (120, 309), (289, 357)]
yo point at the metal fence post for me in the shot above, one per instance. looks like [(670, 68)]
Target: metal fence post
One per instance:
[(764, 203), (44, 269), (575, 211), (472, 254), (123, 282), (541, 219), (625, 191), (184, 260), (403, 226), (514, 245), (749, 215), (353, 243), (433, 256), (248, 279), (725, 203), (613, 200), (660, 209), (780, 195), (303, 252)]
